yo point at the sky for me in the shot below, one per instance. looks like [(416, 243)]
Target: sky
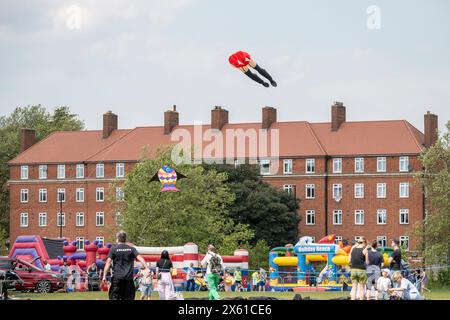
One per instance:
[(383, 59)]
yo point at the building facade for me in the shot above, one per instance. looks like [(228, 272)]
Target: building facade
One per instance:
[(353, 178)]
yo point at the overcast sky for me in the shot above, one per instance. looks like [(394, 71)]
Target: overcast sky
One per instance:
[(138, 58)]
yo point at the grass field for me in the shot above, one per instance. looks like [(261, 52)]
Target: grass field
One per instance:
[(437, 294)]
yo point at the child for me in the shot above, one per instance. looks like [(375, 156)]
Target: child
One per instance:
[(383, 285), (145, 283)]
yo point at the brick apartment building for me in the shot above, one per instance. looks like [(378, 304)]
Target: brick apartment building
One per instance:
[(353, 178)]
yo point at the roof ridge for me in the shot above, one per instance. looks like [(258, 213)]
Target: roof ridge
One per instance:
[(408, 127), (308, 125), (34, 145)]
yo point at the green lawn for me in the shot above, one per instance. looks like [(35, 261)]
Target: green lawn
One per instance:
[(437, 294)]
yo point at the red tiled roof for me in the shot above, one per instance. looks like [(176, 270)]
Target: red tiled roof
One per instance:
[(297, 139)]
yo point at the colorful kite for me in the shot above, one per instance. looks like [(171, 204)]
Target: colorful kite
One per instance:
[(168, 178), (241, 60)]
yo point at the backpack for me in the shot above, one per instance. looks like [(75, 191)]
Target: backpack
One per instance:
[(215, 264)]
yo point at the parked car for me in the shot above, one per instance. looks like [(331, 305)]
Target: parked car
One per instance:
[(33, 278)]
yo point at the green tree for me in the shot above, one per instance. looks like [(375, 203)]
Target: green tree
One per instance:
[(259, 255), (434, 231), (35, 117), (270, 213), (198, 213)]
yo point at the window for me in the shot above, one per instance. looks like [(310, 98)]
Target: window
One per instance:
[(338, 238), (24, 195), (310, 165), (337, 165), (382, 241), (404, 216), (100, 194), (264, 166), (310, 191), (381, 164), (79, 171), (119, 219), (381, 190), (404, 242), (42, 195), (288, 188), (42, 219), (61, 195), (403, 164), (100, 240), (287, 166), (120, 170), (79, 195), (357, 238), (404, 190), (337, 191), (80, 243), (337, 217), (61, 171), (381, 216), (359, 217), (100, 219), (100, 170), (43, 171), (313, 239), (24, 172), (120, 195), (359, 190), (310, 217), (61, 219), (359, 165), (79, 219), (24, 220)]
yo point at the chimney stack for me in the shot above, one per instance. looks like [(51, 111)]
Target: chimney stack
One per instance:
[(171, 120), (269, 116), (109, 123), (337, 115), (219, 117), (27, 138), (430, 129)]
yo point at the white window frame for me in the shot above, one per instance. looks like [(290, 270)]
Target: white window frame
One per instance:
[(100, 170), (310, 186), (79, 219), (100, 239), (382, 186), (402, 185), (337, 239), (402, 240), (310, 165), (382, 241), (24, 196), (116, 218), (311, 214), (359, 212), (99, 215), (120, 170), (357, 238), (262, 164), (359, 165), (337, 191), (80, 243), (24, 220), (41, 193), (289, 188), (24, 172), (79, 174), (120, 195), (79, 195), (383, 214), (98, 191), (62, 219), (61, 171), (337, 217), (337, 165), (42, 171), (403, 216), (42, 219), (381, 164), (58, 191), (287, 166), (403, 164), (359, 186)]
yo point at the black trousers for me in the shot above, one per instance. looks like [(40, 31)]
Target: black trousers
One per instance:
[(122, 289)]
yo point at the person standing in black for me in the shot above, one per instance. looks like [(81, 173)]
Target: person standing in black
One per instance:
[(395, 260), (358, 258), (164, 269), (122, 258)]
